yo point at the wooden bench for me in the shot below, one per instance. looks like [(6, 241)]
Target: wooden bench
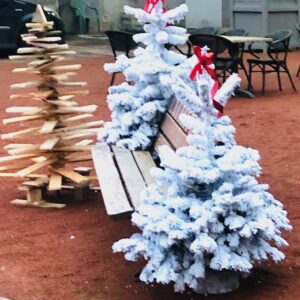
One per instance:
[(124, 174)]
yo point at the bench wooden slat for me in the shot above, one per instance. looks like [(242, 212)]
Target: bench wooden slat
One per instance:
[(175, 109), (131, 174), (114, 196), (145, 163), (161, 141), (173, 132)]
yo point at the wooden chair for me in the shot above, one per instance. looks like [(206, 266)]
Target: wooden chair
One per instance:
[(81, 8), (120, 41), (298, 28), (226, 53), (276, 62), (123, 174)]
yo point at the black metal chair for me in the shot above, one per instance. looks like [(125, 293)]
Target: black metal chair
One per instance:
[(201, 30), (226, 53), (298, 28), (276, 62), (120, 41), (239, 32)]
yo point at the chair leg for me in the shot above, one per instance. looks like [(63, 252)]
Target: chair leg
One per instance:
[(263, 79), (250, 77), (113, 79), (245, 71), (291, 80), (279, 79)]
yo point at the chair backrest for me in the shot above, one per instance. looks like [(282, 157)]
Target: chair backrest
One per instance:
[(121, 41), (217, 44), (280, 43), (203, 30), (235, 32)]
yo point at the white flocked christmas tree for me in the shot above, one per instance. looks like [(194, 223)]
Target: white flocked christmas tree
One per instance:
[(206, 220), (138, 104)]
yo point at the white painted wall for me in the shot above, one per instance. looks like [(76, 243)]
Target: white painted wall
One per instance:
[(111, 10), (204, 13)]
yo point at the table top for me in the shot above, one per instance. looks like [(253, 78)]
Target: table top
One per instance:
[(246, 39)]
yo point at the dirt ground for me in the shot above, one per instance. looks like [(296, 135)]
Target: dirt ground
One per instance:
[(66, 254)]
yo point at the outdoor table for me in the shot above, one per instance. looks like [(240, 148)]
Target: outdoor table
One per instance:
[(246, 39)]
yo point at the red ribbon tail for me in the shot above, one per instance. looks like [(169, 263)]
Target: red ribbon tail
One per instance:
[(194, 72)]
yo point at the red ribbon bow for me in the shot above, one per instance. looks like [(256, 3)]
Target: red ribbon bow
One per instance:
[(205, 60), (150, 4)]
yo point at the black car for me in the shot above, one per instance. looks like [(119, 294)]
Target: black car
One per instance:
[(14, 14)]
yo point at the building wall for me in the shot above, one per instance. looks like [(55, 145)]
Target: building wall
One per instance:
[(204, 13), (201, 13)]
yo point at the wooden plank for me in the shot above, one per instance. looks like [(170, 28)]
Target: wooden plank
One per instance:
[(160, 141), (131, 174), (79, 158), (35, 96), (39, 24), (40, 182), (145, 163), (173, 132), (22, 119), (41, 204), (114, 195), (74, 148), (77, 118), (15, 175), (39, 15), (23, 150), (77, 178), (62, 103), (73, 83), (175, 109), (35, 167), (24, 85), (77, 109), (13, 135), (79, 135), (23, 109), (47, 39), (85, 142), (75, 93), (34, 195), (50, 143), (67, 68), (48, 127), (80, 126), (39, 158), (15, 146), (15, 157), (55, 182), (16, 134)]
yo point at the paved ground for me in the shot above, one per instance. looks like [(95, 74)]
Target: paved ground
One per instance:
[(89, 45)]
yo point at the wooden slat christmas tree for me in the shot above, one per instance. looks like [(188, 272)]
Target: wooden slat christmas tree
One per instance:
[(54, 134)]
